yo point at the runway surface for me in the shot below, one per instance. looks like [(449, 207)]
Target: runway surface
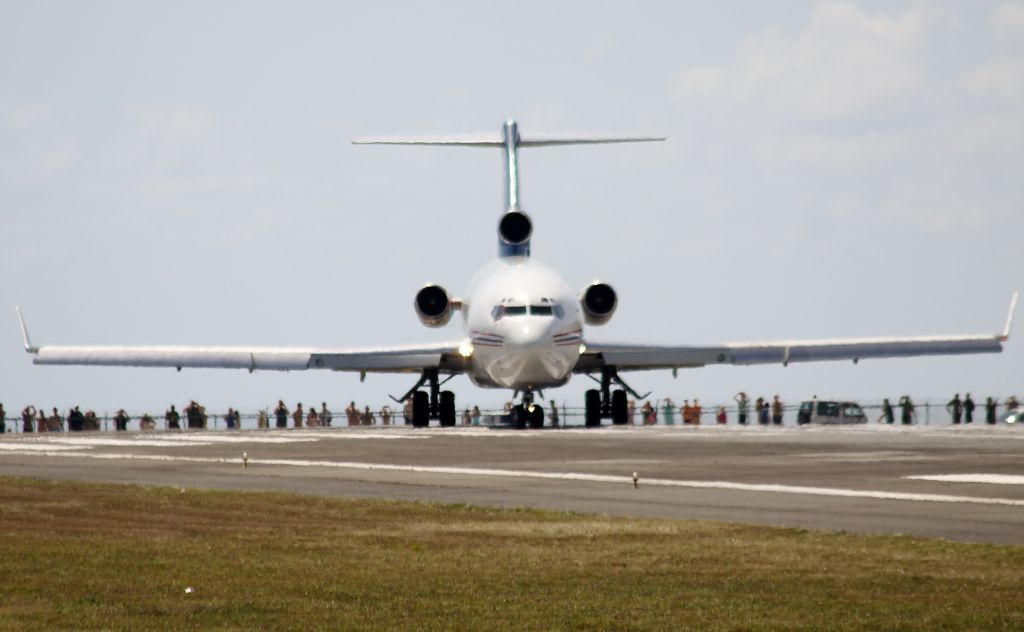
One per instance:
[(962, 483)]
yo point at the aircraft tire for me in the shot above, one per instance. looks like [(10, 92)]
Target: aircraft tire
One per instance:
[(447, 409), (593, 408), (536, 417), (420, 409), (518, 413), (620, 408)]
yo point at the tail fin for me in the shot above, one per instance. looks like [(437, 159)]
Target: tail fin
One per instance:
[(511, 141)]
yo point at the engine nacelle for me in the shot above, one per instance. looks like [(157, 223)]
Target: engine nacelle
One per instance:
[(433, 306), (598, 301), (515, 228)]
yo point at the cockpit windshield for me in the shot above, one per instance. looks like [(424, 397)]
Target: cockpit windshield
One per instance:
[(546, 308)]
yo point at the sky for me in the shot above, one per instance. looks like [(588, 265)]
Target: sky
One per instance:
[(182, 173)]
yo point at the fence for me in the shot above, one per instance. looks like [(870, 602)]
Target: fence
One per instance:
[(926, 413)]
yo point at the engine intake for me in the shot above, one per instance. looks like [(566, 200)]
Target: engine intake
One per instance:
[(515, 228), (599, 302), (433, 306)]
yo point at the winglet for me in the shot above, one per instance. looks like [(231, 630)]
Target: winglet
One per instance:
[(24, 334), (1009, 318)]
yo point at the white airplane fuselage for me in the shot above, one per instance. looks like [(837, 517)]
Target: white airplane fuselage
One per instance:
[(524, 324)]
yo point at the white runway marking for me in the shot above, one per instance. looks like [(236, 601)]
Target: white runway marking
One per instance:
[(994, 479), (24, 446), (564, 476)]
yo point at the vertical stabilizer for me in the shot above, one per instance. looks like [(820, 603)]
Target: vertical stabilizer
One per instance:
[(515, 227)]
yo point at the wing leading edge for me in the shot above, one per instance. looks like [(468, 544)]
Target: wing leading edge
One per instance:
[(397, 359), (639, 357)]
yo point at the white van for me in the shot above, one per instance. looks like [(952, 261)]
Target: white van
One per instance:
[(830, 412)]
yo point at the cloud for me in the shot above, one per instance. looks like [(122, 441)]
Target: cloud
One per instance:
[(1008, 19), (1002, 77), (843, 62)]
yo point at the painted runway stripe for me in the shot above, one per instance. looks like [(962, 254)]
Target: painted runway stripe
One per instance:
[(994, 479), (564, 476)]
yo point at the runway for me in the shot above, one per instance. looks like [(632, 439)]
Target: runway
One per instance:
[(961, 483)]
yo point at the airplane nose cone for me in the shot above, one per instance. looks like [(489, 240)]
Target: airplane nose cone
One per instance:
[(526, 336)]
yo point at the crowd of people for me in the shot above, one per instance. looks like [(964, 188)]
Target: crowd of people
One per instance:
[(760, 411)]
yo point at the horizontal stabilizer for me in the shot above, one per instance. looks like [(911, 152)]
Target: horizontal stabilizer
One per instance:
[(488, 140)]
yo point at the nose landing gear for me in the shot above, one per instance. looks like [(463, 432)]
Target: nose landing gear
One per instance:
[(527, 414)]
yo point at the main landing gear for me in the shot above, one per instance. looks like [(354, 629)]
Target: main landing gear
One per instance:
[(436, 404), (605, 403)]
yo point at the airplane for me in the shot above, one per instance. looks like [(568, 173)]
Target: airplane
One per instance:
[(523, 327)]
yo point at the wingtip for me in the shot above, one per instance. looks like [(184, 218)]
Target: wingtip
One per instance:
[(1009, 317), (26, 341)]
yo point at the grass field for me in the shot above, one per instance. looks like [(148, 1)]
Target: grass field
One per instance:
[(76, 556)]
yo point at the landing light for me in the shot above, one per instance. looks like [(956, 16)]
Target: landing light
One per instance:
[(465, 349), (583, 348)]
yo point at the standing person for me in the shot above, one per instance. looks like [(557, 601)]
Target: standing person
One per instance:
[(722, 417), (281, 414), (906, 410), (686, 412), (696, 412), (553, 415), (742, 406), (646, 412), (172, 418), (968, 409), (146, 423), (759, 407), (476, 415), (262, 420), (406, 412), (121, 420), (27, 415), (76, 420), (298, 416), (368, 419), (467, 417), (353, 413), (887, 413), (325, 415), (631, 411), (55, 422), (764, 416), (312, 419), (990, 410), (3, 419), (1011, 404), (776, 411), (955, 408), (668, 412), (230, 419), (193, 416), (386, 414)]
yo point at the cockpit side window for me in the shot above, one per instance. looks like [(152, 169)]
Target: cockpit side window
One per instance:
[(497, 312)]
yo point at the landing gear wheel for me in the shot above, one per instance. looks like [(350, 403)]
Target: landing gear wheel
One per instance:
[(420, 409), (447, 409), (593, 408), (518, 414), (535, 416), (620, 411)]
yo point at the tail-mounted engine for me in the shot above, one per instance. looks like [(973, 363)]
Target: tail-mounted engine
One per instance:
[(514, 232), (599, 302), (433, 306)]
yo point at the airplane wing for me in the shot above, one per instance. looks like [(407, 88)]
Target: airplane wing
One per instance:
[(444, 356), (640, 357)]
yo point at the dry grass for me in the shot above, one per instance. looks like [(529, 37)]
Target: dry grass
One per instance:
[(77, 556)]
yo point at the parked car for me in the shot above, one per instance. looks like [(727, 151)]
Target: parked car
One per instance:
[(831, 412)]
